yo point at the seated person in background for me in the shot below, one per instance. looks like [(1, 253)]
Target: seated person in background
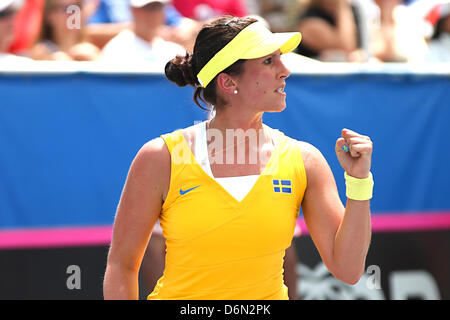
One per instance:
[(8, 11), (62, 33), (27, 26), (281, 15), (113, 16), (142, 43), (204, 10), (179, 29), (329, 31), (397, 35), (439, 45)]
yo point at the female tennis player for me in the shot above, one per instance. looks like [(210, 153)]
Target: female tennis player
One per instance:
[(227, 191)]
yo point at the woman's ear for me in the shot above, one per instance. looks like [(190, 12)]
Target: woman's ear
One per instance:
[(226, 83)]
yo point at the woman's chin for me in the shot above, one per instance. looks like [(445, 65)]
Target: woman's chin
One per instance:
[(278, 108)]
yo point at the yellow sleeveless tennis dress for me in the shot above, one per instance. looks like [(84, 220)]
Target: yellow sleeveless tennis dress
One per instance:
[(222, 248)]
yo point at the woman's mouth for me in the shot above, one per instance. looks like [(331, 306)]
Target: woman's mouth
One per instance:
[(280, 90)]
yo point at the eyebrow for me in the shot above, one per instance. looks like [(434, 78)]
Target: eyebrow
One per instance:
[(269, 56), (279, 53), (272, 55)]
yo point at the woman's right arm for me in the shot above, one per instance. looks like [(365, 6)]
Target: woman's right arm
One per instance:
[(138, 210)]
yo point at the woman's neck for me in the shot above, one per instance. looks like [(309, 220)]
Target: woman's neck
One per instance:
[(226, 119), (235, 128), (244, 142)]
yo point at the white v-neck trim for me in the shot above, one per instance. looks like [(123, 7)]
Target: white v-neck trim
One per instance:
[(239, 186), (201, 148)]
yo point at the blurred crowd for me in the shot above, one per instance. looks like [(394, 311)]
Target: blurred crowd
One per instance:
[(133, 31)]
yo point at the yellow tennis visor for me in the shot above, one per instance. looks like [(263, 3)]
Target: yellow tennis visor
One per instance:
[(254, 41)]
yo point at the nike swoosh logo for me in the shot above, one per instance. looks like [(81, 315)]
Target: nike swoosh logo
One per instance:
[(186, 191)]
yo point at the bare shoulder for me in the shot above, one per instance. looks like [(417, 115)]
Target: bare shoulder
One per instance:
[(155, 152), (310, 154), (152, 165), (316, 166)]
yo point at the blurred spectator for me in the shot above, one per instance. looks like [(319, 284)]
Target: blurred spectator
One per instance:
[(8, 11), (110, 11), (142, 43), (29, 21), (397, 34), (203, 10), (282, 15), (62, 34), (27, 26), (113, 16), (253, 7), (330, 31), (439, 45)]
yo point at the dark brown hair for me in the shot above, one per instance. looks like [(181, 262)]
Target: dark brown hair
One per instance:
[(183, 70)]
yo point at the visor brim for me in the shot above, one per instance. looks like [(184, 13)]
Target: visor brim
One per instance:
[(284, 41)]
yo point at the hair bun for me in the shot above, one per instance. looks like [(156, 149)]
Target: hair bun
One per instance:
[(180, 71)]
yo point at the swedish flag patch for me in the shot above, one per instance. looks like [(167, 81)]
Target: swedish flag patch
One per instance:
[(282, 186)]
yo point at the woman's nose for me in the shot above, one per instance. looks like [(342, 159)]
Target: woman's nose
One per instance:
[(284, 72)]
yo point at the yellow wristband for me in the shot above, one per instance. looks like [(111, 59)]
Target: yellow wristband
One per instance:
[(359, 189)]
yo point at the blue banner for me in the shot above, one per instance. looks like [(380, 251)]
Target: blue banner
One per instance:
[(67, 140)]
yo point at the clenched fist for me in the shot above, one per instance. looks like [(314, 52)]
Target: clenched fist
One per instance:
[(357, 160)]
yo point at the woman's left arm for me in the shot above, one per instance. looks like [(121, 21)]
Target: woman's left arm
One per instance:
[(341, 235)]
